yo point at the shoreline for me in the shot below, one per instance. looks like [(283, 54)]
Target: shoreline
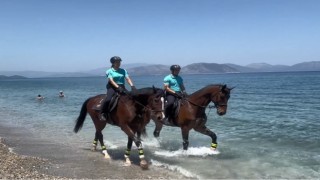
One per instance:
[(25, 156)]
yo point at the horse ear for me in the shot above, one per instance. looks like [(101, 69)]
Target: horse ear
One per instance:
[(154, 89), (223, 87)]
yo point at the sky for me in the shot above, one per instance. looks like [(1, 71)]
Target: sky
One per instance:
[(80, 35)]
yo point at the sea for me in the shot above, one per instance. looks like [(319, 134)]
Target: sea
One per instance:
[(270, 131)]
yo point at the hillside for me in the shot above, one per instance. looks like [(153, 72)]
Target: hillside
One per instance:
[(11, 77), (159, 69), (207, 68)]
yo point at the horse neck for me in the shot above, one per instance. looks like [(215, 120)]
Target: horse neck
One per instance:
[(203, 96), (200, 99), (142, 99)]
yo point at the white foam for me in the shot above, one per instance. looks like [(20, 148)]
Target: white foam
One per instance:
[(110, 145), (151, 142), (179, 169), (192, 151)]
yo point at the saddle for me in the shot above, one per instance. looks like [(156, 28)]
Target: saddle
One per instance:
[(173, 113), (112, 105)]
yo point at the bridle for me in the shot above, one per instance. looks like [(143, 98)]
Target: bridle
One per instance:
[(216, 104), (145, 107)]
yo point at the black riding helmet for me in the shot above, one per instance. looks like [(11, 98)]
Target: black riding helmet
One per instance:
[(174, 67), (114, 59)]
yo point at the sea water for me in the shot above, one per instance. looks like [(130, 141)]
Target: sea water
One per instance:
[(271, 129)]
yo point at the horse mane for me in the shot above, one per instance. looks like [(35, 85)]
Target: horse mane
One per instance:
[(142, 94), (207, 86), (146, 90)]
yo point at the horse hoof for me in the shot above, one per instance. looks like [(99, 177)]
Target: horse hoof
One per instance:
[(127, 163), (156, 134), (144, 164), (106, 156), (215, 150)]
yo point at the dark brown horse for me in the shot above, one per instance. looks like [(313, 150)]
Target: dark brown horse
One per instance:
[(132, 114), (192, 112)]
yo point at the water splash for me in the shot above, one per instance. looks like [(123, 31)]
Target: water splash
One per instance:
[(178, 169), (192, 151)]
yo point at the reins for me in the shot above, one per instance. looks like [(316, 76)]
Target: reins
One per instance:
[(145, 107), (210, 106)]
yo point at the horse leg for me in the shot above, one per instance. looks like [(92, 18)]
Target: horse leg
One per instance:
[(185, 137), (127, 152), (143, 162), (137, 141), (157, 129), (95, 142), (103, 147), (204, 130)]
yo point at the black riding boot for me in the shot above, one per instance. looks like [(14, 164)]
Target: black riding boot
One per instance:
[(104, 111), (166, 119)]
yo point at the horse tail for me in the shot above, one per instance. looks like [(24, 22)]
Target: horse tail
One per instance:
[(82, 117)]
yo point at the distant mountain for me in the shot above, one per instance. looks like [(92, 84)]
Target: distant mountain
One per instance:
[(102, 71), (138, 69), (207, 68), (264, 67), (306, 66), (12, 77), (157, 69), (241, 68)]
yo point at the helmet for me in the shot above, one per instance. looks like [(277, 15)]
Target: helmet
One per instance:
[(114, 59), (174, 67)]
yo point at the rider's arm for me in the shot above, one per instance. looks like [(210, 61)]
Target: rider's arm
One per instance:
[(114, 84), (129, 81), (183, 89), (166, 88)]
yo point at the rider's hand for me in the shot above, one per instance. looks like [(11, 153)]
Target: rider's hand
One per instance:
[(120, 90), (133, 88), (178, 95), (184, 94)]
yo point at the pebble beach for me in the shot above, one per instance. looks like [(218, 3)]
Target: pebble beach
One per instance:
[(23, 156)]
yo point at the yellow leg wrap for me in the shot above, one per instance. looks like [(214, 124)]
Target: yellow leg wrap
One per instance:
[(141, 153), (103, 147), (127, 152), (213, 145)]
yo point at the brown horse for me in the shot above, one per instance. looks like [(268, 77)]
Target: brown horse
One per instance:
[(192, 114), (132, 114)]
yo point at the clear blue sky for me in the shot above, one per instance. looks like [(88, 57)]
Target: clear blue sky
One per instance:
[(77, 35)]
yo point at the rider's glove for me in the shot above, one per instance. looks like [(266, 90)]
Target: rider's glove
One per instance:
[(133, 89), (184, 94), (120, 90), (178, 95)]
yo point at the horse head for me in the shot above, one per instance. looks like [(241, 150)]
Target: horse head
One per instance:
[(150, 97), (220, 99), (155, 103)]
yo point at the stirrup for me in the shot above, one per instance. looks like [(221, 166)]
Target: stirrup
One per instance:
[(165, 121), (102, 117)]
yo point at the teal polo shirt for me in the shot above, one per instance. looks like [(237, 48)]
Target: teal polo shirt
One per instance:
[(173, 82), (118, 76)]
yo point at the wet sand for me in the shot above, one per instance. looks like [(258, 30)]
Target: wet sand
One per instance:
[(23, 155)]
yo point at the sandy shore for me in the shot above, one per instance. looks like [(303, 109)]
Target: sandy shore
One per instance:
[(22, 155)]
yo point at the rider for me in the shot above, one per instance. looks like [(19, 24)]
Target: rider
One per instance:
[(174, 87), (116, 83)]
